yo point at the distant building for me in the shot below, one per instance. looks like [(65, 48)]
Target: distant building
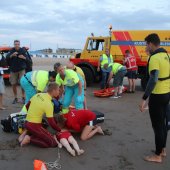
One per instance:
[(48, 50), (60, 53), (67, 51)]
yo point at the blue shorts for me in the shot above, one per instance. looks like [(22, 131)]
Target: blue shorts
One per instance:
[(118, 78), (132, 74)]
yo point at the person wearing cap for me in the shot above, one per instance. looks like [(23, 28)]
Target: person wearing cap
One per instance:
[(73, 86), (79, 71), (104, 60), (119, 71), (36, 81)]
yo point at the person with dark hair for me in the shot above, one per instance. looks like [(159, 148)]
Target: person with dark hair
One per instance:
[(16, 60), (56, 65), (36, 81), (158, 91), (40, 105), (131, 66)]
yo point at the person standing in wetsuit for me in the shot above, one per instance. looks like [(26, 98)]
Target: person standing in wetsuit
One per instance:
[(158, 91)]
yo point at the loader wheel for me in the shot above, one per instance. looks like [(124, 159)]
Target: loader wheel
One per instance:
[(88, 75)]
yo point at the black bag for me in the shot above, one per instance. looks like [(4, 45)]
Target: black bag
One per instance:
[(99, 116), (13, 122), (6, 124), (29, 62), (18, 122), (168, 117)]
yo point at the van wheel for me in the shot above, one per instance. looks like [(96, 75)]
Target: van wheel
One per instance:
[(88, 75)]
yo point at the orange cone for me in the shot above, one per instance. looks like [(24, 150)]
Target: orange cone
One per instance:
[(39, 165)]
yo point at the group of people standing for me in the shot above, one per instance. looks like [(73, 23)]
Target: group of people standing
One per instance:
[(109, 68), (67, 83), (157, 89)]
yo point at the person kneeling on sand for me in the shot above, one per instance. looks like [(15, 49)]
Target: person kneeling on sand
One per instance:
[(83, 121), (39, 104), (66, 138)]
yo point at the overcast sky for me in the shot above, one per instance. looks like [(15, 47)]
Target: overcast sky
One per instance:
[(67, 23)]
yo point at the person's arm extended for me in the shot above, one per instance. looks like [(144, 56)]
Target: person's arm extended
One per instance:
[(110, 77), (151, 83), (85, 85), (98, 68), (61, 91), (53, 124), (124, 61), (80, 87)]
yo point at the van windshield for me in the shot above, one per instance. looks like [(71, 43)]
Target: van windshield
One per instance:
[(95, 45)]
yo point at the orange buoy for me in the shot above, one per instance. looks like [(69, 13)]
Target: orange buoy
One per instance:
[(39, 165)]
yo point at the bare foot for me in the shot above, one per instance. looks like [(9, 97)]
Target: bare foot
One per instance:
[(59, 145), (21, 137), (163, 153), (80, 152), (25, 141), (100, 131), (2, 108), (73, 153), (153, 158)]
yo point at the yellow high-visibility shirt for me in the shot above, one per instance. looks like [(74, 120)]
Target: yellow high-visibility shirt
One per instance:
[(161, 62), (80, 71), (71, 78), (40, 79), (40, 104)]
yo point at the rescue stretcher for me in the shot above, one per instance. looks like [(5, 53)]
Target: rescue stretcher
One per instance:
[(107, 92)]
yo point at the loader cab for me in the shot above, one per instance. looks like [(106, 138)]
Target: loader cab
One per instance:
[(95, 47)]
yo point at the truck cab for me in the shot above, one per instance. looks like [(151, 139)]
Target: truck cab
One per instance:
[(95, 47), (88, 58), (118, 42)]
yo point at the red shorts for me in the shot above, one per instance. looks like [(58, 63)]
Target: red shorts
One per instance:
[(65, 135)]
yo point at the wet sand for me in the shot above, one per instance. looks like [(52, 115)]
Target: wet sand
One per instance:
[(131, 140)]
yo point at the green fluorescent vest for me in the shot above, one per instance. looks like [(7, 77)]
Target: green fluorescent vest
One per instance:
[(105, 60)]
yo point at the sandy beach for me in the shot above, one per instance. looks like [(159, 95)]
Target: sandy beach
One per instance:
[(132, 136)]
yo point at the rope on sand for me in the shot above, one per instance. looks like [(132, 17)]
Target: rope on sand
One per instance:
[(56, 164)]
